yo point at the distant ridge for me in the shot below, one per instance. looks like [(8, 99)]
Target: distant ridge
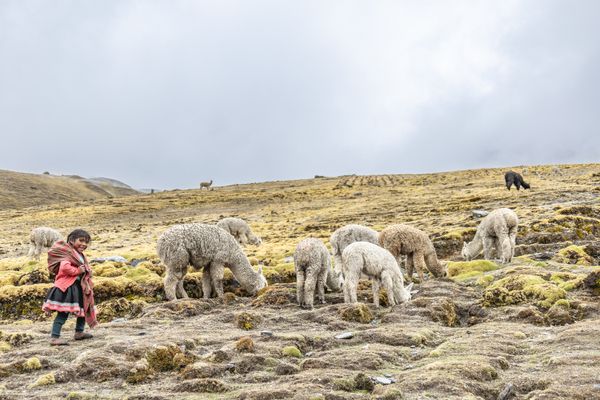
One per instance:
[(19, 190)]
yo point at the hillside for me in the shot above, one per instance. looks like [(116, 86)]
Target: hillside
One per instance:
[(19, 190), (529, 328)]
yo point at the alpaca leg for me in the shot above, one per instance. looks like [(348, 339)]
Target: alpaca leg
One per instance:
[(216, 277), (300, 287), (31, 250), (350, 285), (321, 280), (388, 284), (410, 265), (206, 283), (170, 285), (419, 264), (513, 241), (375, 287), (488, 246), (180, 290), (309, 288), (505, 249)]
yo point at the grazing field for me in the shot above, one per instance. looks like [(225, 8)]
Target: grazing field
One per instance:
[(529, 328)]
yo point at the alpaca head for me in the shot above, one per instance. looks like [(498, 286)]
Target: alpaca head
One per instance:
[(403, 296), (337, 281), (254, 240), (262, 281), (465, 252)]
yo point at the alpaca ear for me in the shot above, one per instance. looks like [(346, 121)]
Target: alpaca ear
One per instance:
[(260, 272)]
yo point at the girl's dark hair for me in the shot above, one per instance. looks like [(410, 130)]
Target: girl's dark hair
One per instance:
[(78, 233)]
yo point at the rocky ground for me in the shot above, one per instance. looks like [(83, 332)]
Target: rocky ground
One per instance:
[(526, 330)]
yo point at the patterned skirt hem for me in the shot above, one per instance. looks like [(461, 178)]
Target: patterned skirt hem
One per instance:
[(63, 307)]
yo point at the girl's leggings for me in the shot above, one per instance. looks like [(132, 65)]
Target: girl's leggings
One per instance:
[(59, 321)]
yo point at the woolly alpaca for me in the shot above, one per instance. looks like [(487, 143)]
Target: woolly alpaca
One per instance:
[(206, 185), (416, 246), (513, 178), (498, 229), (208, 247), (312, 262), (346, 235), (380, 266), (240, 230), (41, 237)]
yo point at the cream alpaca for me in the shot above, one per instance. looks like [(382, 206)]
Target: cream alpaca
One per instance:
[(380, 266), (240, 230), (208, 247), (346, 235), (41, 237), (497, 230), (312, 262)]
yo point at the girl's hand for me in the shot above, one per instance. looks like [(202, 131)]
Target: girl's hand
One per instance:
[(82, 269)]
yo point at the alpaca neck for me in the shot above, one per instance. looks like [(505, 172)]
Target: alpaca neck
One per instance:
[(475, 247), (242, 270)]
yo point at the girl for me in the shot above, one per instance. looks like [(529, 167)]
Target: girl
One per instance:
[(72, 291)]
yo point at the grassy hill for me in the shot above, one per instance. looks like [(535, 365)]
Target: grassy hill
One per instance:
[(19, 190), (530, 326)]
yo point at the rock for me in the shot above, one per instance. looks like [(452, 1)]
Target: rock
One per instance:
[(109, 258), (345, 335), (479, 213), (506, 392), (288, 259), (382, 380), (266, 333), (135, 262)]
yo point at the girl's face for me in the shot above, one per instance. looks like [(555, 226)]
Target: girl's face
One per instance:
[(80, 244)]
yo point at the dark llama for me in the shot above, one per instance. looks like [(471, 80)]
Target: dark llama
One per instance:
[(513, 178)]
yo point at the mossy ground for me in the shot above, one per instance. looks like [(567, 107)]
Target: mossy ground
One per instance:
[(442, 344)]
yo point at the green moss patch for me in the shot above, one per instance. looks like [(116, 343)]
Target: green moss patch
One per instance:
[(574, 255), (356, 313), (464, 270), (516, 289)]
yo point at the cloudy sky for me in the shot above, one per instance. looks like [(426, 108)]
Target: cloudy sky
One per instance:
[(168, 93)]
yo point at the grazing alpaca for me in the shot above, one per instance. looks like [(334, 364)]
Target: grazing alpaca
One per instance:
[(41, 237), (312, 262), (240, 230), (380, 266), (206, 185), (416, 246), (513, 178), (346, 235), (498, 229), (208, 247)]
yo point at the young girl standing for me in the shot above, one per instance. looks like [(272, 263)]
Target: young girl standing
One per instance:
[(73, 289)]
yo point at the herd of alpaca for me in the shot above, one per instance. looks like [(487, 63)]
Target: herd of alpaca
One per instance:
[(358, 251)]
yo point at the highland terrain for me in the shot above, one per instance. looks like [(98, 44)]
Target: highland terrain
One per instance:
[(525, 330)]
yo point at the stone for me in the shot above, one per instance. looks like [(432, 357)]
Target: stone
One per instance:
[(266, 333), (479, 213), (345, 335), (506, 392), (383, 380)]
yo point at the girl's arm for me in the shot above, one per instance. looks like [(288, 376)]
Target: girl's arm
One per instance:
[(69, 269)]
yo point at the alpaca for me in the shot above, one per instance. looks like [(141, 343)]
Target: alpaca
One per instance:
[(498, 229), (206, 185), (41, 237), (312, 262), (240, 230), (209, 247), (513, 178), (380, 266), (346, 235), (416, 246)]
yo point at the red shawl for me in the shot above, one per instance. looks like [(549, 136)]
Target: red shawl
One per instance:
[(62, 250)]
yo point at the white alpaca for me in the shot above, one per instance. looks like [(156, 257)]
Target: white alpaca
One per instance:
[(312, 262), (206, 185), (41, 237), (240, 230), (406, 240), (208, 247), (497, 230), (380, 266), (346, 235)]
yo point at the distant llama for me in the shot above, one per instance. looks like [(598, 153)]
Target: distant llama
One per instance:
[(513, 178), (497, 230), (206, 185)]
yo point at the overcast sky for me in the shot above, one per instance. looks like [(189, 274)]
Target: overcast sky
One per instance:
[(165, 94)]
